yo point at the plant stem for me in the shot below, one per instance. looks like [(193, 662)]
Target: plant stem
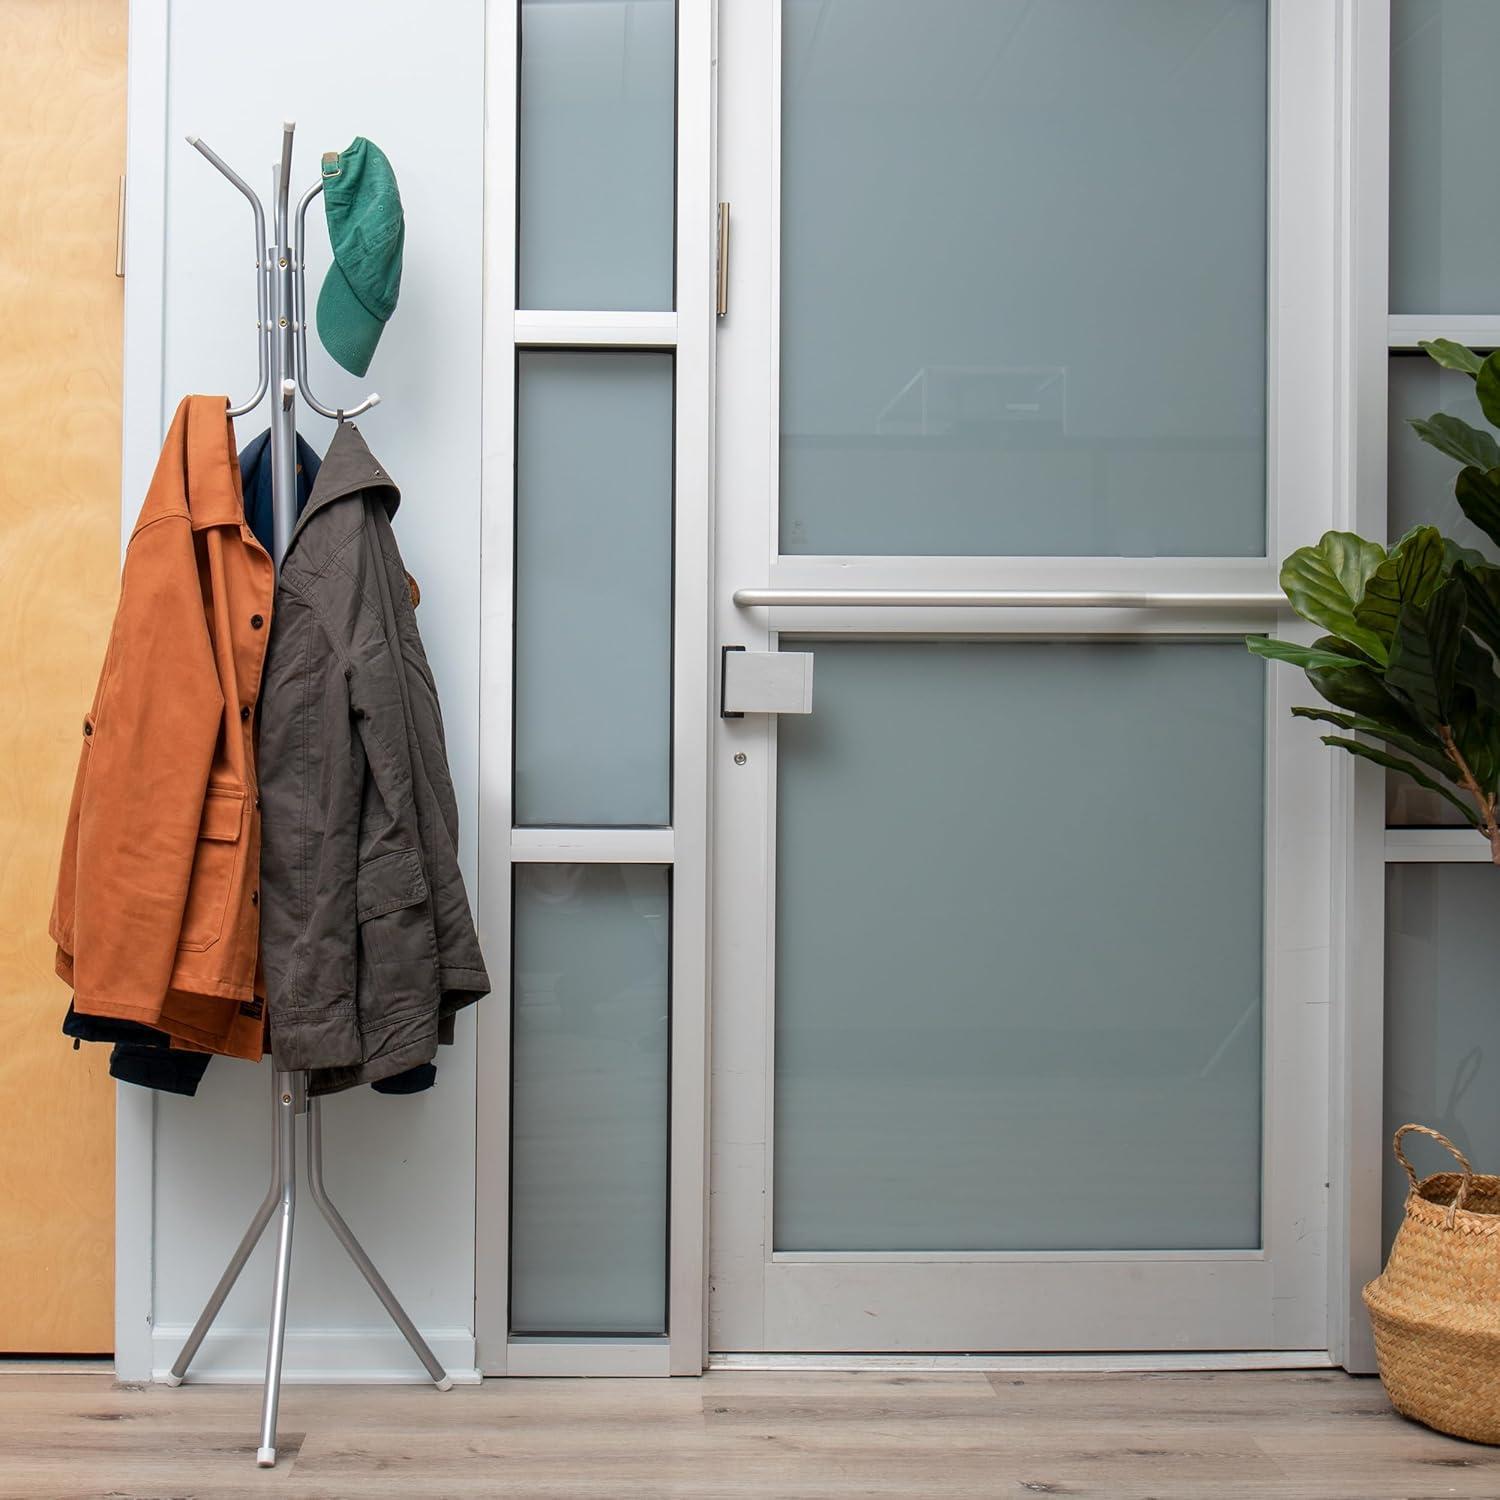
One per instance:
[(1484, 800)]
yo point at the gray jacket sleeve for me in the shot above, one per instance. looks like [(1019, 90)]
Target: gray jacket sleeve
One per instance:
[(397, 967), (315, 1020)]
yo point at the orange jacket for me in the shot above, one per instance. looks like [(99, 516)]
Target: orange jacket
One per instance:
[(157, 912)]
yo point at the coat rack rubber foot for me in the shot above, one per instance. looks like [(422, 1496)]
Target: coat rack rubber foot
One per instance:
[(281, 301)]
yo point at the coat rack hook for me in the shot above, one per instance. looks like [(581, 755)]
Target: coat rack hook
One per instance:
[(262, 272)]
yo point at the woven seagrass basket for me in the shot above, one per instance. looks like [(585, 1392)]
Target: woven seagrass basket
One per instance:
[(1436, 1306)]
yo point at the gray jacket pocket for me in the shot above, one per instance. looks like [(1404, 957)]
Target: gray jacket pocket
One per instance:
[(389, 882), (397, 941)]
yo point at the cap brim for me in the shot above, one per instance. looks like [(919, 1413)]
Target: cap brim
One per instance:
[(349, 331)]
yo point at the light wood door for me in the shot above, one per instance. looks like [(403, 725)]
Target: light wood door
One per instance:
[(62, 147)]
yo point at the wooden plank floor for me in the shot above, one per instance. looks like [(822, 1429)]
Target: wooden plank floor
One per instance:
[(1313, 1436)]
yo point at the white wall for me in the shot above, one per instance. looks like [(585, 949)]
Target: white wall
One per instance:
[(401, 1169)]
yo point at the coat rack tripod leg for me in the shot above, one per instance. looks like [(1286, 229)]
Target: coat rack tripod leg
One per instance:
[(398, 1314), (236, 1264), (289, 1100)]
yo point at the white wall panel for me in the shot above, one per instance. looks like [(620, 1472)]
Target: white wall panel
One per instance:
[(401, 1169)]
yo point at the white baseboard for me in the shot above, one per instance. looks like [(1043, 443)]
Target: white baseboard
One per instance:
[(1054, 1364), (315, 1356)]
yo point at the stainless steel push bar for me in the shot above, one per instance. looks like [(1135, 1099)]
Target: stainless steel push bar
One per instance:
[(1001, 599)]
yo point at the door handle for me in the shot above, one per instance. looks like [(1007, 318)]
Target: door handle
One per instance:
[(764, 682), (721, 266), (120, 230)]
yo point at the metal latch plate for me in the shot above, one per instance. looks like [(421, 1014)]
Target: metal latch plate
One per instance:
[(764, 682)]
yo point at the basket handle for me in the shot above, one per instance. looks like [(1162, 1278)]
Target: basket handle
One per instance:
[(1442, 1140)]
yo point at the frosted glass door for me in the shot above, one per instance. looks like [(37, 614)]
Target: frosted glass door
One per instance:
[(1021, 947)]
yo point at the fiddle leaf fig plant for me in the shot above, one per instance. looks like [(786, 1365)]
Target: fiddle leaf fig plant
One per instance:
[(1408, 661)]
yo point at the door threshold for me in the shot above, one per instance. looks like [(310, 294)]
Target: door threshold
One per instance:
[(1051, 1364)]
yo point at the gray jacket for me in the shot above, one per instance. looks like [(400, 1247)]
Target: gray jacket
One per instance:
[(367, 940)]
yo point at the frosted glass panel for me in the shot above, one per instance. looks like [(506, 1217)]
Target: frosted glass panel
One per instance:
[(1445, 215), (597, 153), (1019, 934), (1023, 277), (1442, 1025), (589, 1123), (593, 589), (1421, 493)]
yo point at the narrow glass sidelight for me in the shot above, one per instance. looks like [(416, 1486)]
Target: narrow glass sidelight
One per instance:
[(1020, 930), (593, 722), (1023, 278), (1442, 1029), (597, 154), (590, 1079), (1445, 216)]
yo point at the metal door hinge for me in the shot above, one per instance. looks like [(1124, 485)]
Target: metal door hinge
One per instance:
[(721, 278), (120, 230)]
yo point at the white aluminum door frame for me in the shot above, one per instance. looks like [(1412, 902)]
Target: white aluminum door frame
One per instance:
[(688, 333), (1272, 1298)]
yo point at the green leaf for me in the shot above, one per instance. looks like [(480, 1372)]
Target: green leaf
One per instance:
[(1325, 582), (1481, 585), (1453, 436), (1454, 554), (1487, 388), (1452, 356), (1478, 493), (1424, 654), (1354, 684), (1410, 574), (1429, 752), (1476, 672), (1409, 768), (1341, 648), (1360, 690), (1290, 651), (1475, 714)]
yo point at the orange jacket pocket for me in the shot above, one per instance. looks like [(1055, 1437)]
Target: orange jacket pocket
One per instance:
[(215, 861)]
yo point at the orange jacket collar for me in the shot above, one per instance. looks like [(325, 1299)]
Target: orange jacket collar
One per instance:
[(198, 474)]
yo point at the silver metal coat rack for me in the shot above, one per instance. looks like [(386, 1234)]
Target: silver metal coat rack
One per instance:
[(281, 301)]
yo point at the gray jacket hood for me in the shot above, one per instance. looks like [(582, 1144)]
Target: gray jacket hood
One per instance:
[(347, 467)]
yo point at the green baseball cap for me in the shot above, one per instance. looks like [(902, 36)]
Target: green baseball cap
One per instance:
[(366, 229)]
